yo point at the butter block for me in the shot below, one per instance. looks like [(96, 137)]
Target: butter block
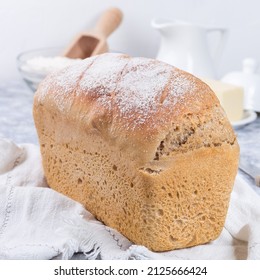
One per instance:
[(231, 98)]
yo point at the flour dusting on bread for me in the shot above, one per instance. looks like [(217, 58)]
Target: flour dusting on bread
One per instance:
[(108, 78)]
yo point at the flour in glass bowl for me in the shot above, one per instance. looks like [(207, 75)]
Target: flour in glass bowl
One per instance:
[(44, 65)]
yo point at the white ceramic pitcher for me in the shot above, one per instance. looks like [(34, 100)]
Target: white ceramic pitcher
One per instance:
[(185, 46)]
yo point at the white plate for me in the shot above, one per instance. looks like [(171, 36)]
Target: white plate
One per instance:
[(248, 117)]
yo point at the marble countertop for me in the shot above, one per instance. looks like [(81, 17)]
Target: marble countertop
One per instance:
[(16, 123), (16, 120)]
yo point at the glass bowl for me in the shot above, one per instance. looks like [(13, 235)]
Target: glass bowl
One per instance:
[(35, 65)]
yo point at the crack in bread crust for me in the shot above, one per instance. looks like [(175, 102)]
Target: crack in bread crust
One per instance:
[(195, 132)]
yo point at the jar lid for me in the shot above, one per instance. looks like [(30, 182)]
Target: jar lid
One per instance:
[(249, 80)]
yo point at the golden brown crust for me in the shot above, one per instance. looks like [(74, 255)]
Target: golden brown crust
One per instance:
[(124, 135)]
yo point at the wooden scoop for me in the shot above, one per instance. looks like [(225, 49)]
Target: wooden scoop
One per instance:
[(94, 42)]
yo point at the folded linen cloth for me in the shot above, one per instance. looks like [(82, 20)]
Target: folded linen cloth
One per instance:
[(37, 222)]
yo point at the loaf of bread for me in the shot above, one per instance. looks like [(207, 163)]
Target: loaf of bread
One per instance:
[(144, 146)]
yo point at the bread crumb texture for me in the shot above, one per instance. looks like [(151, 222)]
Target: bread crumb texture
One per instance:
[(142, 145)]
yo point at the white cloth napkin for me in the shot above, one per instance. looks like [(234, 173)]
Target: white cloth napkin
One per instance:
[(36, 222)]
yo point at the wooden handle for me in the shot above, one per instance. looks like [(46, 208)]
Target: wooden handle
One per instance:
[(108, 22)]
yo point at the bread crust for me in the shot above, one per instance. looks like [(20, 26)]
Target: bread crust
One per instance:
[(142, 145)]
